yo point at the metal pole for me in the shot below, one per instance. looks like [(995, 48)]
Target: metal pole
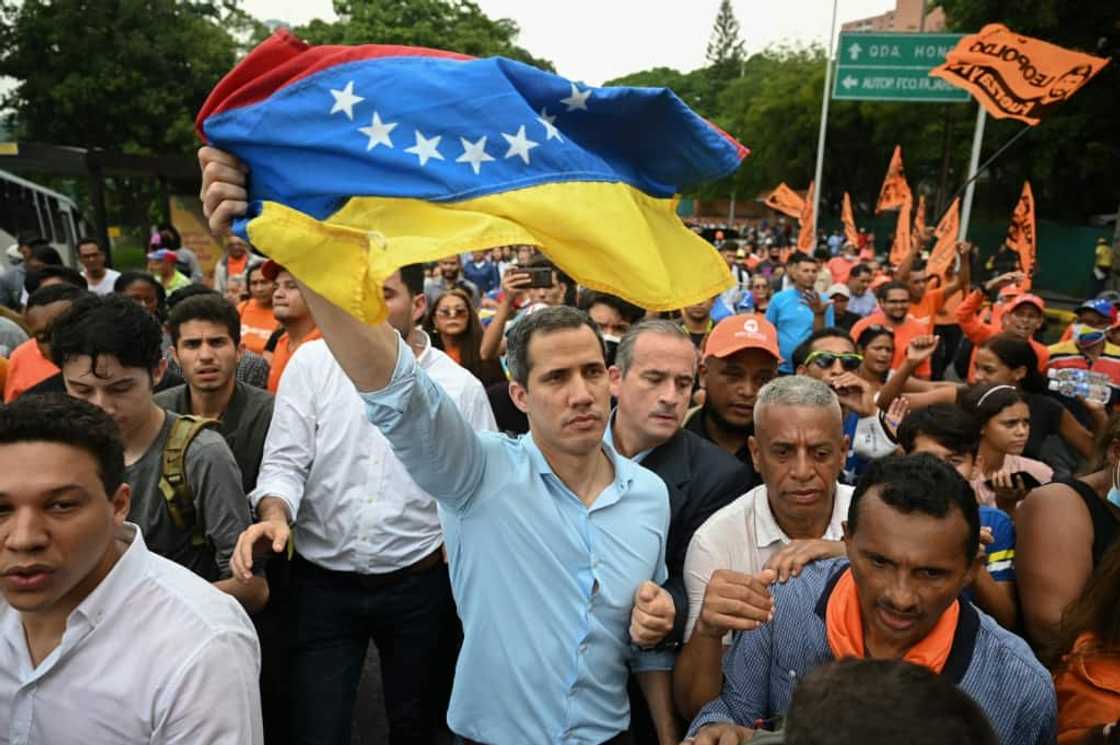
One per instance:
[(731, 216), (973, 164), (825, 96), (922, 18)]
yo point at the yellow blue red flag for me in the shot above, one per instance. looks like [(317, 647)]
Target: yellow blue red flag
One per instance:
[(367, 158)]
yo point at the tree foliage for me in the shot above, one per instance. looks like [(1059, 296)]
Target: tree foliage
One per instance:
[(725, 48), (119, 74), (454, 25)]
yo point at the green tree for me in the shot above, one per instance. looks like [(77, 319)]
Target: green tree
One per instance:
[(453, 25), (725, 48), (117, 74)]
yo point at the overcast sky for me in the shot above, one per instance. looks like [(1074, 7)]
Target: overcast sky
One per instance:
[(597, 40)]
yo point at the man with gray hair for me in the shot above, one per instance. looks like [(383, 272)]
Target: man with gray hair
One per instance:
[(652, 378), (769, 534)]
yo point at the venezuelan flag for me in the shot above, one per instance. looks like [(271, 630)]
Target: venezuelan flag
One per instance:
[(367, 158)]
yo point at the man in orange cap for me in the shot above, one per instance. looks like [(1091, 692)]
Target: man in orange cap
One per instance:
[(740, 356), (1022, 316)]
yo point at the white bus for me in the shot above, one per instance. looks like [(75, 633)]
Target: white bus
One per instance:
[(27, 208)]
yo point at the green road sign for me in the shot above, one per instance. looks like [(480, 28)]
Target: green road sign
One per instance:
[(893, 67)]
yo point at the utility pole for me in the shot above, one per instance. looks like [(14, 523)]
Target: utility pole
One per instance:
[(825, 96)]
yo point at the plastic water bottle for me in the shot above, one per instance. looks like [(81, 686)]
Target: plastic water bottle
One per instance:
[(1090, 392), (1077, 375)]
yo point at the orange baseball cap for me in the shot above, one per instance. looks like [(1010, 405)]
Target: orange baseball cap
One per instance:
[(743, 331)]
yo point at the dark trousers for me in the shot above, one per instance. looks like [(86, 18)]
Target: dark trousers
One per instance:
[(412, 622)]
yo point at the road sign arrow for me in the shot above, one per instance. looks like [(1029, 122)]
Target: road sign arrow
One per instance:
[(849, 82), (854, 51)]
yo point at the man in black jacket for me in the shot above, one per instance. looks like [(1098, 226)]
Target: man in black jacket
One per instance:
[(652, 381)]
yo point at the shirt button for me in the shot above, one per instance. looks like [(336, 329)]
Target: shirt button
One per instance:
[(583, 648)]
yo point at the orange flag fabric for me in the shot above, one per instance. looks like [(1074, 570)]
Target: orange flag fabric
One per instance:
[(945, 241), (1022, 236), (1015, 76), (851, 235), (785, 200), (806, 241), (895, 191), (901, 246), (920, 218)]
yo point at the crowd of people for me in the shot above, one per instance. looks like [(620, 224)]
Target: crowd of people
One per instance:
[(839, 502)]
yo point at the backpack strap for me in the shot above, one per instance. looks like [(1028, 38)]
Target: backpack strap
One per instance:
[(173, 477)]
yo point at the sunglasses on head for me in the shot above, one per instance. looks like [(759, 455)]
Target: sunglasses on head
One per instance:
[(849, 361)]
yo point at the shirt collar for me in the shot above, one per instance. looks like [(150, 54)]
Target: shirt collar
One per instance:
[(767, 531), (608, 439), (624, 470), (425, 358), (116, 587)]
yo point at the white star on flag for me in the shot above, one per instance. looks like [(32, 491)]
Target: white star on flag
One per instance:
[(425, 148), (519, 144), (578, 99), (378, 132), (474, 153), (344, 100), (550, 130)]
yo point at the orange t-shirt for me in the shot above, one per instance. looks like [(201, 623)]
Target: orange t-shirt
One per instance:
[(1088, 688), (903, 333), (257, 325), (283, 353), (236, 267), (27, 368), (926, 310), (840, 268)]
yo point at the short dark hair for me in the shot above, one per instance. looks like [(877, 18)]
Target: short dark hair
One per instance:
[(800, 257), (886, 287), (207, 306), (127, 279), (985, 400), (880, 701), (948, 425), (45, 252), (805, 348), (59, 418), (54, 294), (188, 291), (258, 266), (543, 321), (87, 240), (34, 279), (412, 277), (870, 333), (632, 313), (920, 483), (111, 325), (859, 270)]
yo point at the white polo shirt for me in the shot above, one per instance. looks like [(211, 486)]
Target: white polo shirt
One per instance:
[(154, 655), (742, 537)]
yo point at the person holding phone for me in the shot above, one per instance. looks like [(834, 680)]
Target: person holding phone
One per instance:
[(1002, 476)]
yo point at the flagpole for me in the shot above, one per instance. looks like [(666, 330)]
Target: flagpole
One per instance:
[(825, 96), (973, 164)]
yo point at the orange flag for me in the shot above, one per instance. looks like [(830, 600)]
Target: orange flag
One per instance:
[(901, 246), (1015, 76), (920, 218), (806, 241), (895, 191), (851, 235), (945, 241), (1021, 234), (785, 200)]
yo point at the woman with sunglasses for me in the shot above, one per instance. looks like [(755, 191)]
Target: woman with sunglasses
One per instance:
[(455, 329), (999, 473), (1006, 359), (1064, 531)]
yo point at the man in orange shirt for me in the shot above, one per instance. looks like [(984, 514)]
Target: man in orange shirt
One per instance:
[(291, 311), (257, 321), (894, 313), (236, 263), (925, 303), (1021, 316), (841, 266), (30, 363)]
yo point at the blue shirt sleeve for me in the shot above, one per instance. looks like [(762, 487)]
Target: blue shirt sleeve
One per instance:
[(746, 682), (1001, 552), (429, 435)]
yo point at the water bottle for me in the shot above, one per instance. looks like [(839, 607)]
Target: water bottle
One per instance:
[(1077, 375), (1098, 393)]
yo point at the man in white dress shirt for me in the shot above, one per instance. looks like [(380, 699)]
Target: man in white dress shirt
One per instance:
[(369, 561), (102, 641), (796, 516)]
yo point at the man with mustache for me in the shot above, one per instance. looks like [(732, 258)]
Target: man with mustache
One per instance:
[(912, 538), (556, 543)]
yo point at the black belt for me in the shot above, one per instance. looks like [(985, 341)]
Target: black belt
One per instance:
[(301, 567)]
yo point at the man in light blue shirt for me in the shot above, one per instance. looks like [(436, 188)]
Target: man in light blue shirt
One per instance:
[(556, 543), (797, 311)]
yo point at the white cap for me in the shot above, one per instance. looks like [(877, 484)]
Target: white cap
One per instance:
[(839, 289), (13, 253)]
